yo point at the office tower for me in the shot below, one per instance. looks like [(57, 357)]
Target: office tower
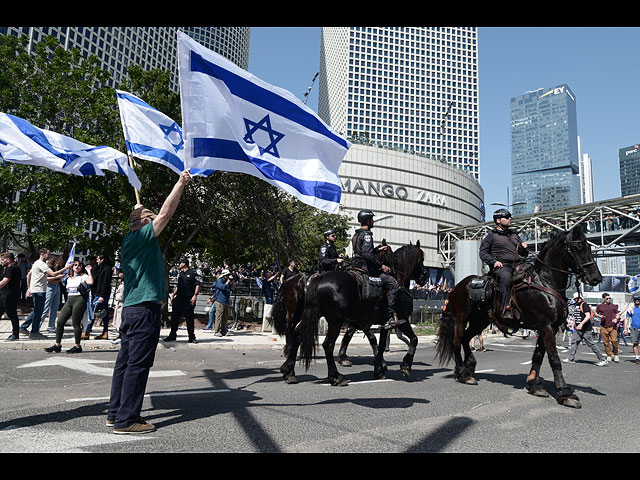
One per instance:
[(544, 150), (412, 89), (629, 159), (586, 175), (148, 47)]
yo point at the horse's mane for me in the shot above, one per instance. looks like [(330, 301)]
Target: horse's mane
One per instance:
[(553, 243)]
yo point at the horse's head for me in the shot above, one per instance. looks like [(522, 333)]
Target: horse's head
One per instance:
[(385, 255), (409, 263), (579, 258)]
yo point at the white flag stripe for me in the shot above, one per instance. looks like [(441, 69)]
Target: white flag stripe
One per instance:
[(234, 121), (151, 135), (61, 153)]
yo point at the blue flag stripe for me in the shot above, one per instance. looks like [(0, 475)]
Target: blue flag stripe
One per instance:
[(134, 100), (266, 99), (228, 149), (164, 155)]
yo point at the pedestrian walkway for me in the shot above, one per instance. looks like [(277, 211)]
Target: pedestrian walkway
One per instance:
[(235, 339)]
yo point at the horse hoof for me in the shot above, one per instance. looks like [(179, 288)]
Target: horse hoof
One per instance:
[(380, 376), (569, 401), (539, 392), (291, 379), (341, 381), (406, 371), (469, 381), (345, 362)]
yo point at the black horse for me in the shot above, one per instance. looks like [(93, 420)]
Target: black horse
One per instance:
[(543, 305), (286, 313), (336, 297)]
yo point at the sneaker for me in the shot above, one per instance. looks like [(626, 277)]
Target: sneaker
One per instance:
[(608, 359), (110, 423), (116, 341), (85, 336), (637, 360), (601, 363), (24, 331), (568, 360), (207, 329), (136, 428), (12, 338), (616, 358), (53, 348), (75, 349), (193, 340), (102, 336), (37, 336), (51, 330), (170, 338)]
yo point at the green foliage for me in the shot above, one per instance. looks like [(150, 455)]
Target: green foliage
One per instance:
[(227, 216)]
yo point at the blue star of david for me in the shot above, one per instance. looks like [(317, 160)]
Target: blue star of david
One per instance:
[(173, 135), (265, 125)]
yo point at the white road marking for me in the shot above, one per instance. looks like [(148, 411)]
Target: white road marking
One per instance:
[(88, 366)]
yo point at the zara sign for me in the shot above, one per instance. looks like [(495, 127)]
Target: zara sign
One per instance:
[(367, 187)]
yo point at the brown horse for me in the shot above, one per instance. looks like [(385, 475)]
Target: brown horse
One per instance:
[(542, 302)]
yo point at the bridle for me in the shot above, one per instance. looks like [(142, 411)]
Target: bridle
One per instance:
[(580, 271)]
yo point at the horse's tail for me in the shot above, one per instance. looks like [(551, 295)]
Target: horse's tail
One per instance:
[(446, 337), (309, 323), (278, 318)]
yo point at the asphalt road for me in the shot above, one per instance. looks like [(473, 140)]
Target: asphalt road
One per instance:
[(235, 401)]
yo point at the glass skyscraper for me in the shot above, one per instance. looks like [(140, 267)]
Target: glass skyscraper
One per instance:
[(544, 150), (148, 47), (413, 89)]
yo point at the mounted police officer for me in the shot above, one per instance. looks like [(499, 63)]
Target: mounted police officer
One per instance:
[(501, 249), (329, 258), (364, 258)]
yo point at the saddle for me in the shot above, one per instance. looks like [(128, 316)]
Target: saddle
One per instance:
[(371, 290)]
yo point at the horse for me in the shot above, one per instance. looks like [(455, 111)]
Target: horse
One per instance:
[(542, 304), (336, 297), (286, 313)]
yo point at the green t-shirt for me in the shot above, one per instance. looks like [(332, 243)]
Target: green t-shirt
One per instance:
[(143, 267)]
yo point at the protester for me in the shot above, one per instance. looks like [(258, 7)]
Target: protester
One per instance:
[(632, 324), (117, 307), (144, 292), (74, 308), (100, 294), (10, 293), (24, 266), (609, 316), (37, 279), (224, 287), (52, 300), (582, 328)]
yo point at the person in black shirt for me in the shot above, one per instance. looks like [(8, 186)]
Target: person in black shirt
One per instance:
[(501, 249), (183, 301), (329, 257), (583, 330), (364, 258), (10, 293), (288, 272)]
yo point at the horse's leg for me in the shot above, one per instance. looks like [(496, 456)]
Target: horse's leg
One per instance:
[(372, 340), (467, 370), (288, 367), (566, 396), (407, 361), (533, 382), (379, 365), (342, 354), (335, 378)]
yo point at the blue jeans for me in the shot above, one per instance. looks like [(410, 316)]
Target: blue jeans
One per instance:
[(212, 315), (139, 334), (51, 304), (38, 307)]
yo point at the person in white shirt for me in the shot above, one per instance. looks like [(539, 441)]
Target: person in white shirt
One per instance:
[(74, 307), (37, 281)]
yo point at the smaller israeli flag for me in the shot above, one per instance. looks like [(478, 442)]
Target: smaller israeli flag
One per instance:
[(22, 142), (634, 284), (151, 135)]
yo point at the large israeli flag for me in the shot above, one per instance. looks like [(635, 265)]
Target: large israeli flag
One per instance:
[(21, 142), (151, 135), (233, 121)]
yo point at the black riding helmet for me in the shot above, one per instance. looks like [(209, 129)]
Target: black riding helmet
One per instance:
[(364, 216), (501, 213), (331, 231)]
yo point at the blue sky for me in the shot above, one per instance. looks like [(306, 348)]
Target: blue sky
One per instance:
[(600, 65)]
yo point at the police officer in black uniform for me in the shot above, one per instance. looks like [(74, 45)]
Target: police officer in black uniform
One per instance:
[(501, 249), (364, 257), (183, 301), (329, 258)]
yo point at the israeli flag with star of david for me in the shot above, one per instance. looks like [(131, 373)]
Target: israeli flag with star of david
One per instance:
[(151, 135), (22, 142), (233, 121)]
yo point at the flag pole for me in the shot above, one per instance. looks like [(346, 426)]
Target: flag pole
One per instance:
[(134, 188)]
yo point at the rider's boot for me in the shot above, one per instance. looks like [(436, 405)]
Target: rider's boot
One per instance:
[(393, 322)]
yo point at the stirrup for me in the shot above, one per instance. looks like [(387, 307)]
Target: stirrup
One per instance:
[(393, 322)]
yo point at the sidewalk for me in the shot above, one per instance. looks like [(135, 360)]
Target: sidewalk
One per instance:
[(235, 339)]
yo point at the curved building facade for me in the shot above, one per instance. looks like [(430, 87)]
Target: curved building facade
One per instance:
[(419, 193)]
